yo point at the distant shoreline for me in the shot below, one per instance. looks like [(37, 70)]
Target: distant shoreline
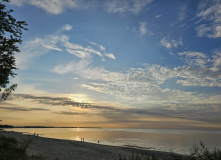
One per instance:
[(10, 126), (51, 149)]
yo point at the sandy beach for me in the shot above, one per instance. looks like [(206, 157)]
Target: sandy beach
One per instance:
[(56, 149)]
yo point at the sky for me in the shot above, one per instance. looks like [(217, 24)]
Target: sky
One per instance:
[(117, 64)]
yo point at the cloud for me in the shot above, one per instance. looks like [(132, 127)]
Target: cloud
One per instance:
[(140, 92), (35, 48), (100, 46), (71, 113), (54, 7), (81, 54), (201, 70), (110, 55), (213, 31), (23, 109), (139, 84), (59, 101), (201, 112), (143, 29), (160, 114), (29, 87), (170, 43), (216, 61), (79, 50), (85, 52), (143, 84), (124, 6), (208, 112), (18, 2), (195, 58), (209, 19), (112, 6), (158, 16), (67, 27), (15, 108), (182, 13), (72, 67)]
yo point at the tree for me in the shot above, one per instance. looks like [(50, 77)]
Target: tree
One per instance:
[(10, 36)]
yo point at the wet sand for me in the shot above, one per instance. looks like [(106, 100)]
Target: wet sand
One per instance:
[(56, 149)]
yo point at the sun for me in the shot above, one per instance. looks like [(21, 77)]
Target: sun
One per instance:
[(81, 98)]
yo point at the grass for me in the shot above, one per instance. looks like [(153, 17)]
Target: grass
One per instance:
[(11, 149), (138, 157), (201, 152), (197, 152)]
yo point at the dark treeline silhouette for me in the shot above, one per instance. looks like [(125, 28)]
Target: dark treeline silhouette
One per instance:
[(10, 36)]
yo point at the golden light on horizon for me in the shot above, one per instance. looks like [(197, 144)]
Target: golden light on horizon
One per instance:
[(81, 98)]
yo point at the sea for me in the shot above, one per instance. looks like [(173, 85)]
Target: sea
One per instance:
[(169, 140)]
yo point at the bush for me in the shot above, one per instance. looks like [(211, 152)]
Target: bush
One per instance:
[(201, 152), (11, 149), (138, 157), (197, 152)]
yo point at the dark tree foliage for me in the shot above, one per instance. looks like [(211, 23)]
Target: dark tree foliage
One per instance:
[(10, 36)]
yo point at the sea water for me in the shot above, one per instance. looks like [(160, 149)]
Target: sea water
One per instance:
[(178, 141)]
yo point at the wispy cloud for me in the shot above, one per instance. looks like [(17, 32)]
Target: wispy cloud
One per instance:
[(182, 13), (142, 28), (33, 49), (195, 58), (209, 19), (54, 7), (110, 55), (60, 101), (158, 16), (124, 6), (67, 27), (72, 67), (170, 43), (79, 50), (194, 113), (143, 84), (112, 6), (17, 108), (27, 88), (71, 113), (100, 46), (201, 70)]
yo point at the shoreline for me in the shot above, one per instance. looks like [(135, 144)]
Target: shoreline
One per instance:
[(51, 149)]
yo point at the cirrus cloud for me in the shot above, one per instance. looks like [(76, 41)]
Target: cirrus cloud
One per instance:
[(209, 19)]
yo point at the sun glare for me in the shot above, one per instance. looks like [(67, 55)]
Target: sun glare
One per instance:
[(81, 98)]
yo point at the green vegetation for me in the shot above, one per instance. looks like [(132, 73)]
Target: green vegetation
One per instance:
[(10, 36), (138, 157), (201, 152), (197, 152), (11, 149)]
